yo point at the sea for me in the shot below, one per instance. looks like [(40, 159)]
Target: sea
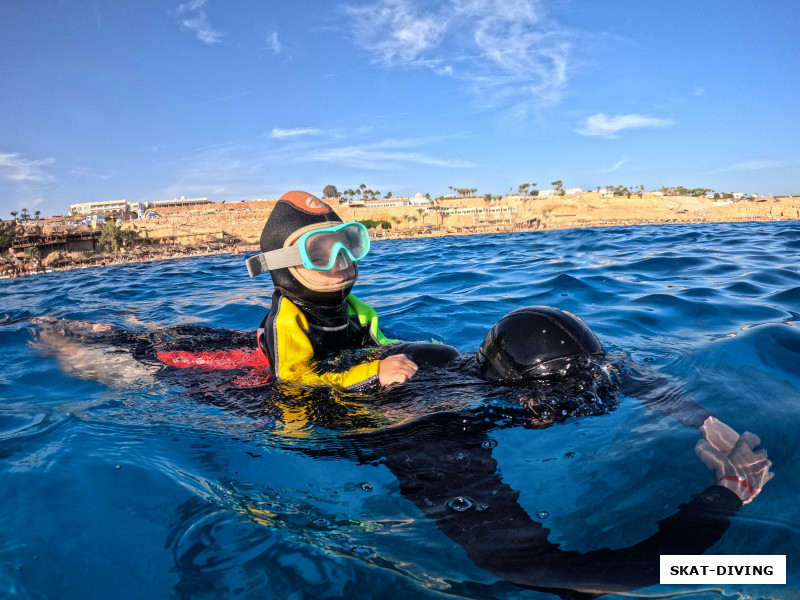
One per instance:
[(122, 479)]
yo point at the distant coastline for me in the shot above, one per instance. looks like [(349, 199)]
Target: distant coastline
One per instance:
[(236, 227)]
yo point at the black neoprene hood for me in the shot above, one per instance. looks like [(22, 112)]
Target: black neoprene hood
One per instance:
[(536, 342), (293, 212)]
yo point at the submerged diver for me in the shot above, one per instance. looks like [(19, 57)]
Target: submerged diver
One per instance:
[(444, 461), (311, 256)]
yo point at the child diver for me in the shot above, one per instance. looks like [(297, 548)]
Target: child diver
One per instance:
[(311, 256)]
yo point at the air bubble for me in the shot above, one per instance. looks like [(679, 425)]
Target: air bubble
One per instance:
[(362, 551), (489, 444), (460, 504), (320, 522), (543, 514), (481, 507), (366, 486), (461, 456)]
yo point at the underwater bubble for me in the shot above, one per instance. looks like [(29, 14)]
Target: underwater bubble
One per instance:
[(362, 551), (543, 514), (461, 456), (428, 502), (338, 537), (648, 359), (366, 486), (460, 504), (569, 454), (481, 507), (320, 522), (489, 444)]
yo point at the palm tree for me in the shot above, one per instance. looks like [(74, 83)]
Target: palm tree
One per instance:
[(557, 185), (412, 219), (397, 220), (37, 214), (422, 212), (438, 211), (14, 214), (23, 215)]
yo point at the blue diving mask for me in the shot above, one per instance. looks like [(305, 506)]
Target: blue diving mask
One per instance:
[(317, 250)]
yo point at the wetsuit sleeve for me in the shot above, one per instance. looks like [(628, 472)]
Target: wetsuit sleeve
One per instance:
[(654, 391), (367, 317), (293, 355), (444, 461)]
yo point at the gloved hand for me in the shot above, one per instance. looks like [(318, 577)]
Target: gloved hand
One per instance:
[(719, 435), (733, 459)]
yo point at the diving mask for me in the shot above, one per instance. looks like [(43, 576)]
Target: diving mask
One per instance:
[(317, 250)]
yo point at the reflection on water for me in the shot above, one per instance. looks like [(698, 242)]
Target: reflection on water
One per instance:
[(184, 486)]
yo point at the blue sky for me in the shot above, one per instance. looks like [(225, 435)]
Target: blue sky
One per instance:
[(149, 100)]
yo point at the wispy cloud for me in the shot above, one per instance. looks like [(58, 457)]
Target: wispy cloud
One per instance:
[(273, 43), (508, 51), (192, 17), (610, 125), (616, 166), (278, 133), (383, 155), (753, 165), (13, 167)]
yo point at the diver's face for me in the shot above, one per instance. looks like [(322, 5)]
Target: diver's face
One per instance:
[(344, 271)]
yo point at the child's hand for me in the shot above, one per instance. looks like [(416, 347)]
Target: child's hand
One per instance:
[(396, 369)]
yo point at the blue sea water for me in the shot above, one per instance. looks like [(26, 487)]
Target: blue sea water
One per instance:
[(118, 484)]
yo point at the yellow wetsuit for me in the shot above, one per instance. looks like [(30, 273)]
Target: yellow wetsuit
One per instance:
[(297, 335)]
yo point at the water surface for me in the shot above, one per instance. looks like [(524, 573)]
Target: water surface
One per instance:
[(128, 487)]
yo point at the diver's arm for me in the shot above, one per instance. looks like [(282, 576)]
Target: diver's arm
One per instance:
[(654, 391), (444, 465)]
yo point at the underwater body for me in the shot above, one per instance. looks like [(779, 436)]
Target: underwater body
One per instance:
[(118, 483)]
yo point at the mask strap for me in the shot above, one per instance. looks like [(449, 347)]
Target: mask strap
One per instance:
[(275, 259)]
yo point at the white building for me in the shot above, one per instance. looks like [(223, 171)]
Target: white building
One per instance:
[(92, 208), (420, 200)]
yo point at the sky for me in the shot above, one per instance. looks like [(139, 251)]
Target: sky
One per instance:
[(157, 99)]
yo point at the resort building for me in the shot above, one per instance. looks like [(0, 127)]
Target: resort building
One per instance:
[(481, 213), (92, 208), (182, 201), (417, 200)]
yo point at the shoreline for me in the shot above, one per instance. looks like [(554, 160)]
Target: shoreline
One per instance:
[(168, 252)]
